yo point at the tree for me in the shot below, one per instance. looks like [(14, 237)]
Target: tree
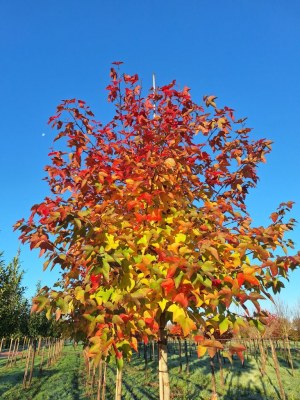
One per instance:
[(296, 321), (39, 324), (13, 305), (148, 222)]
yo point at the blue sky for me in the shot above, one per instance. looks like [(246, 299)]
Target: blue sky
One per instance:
[(245, 52)]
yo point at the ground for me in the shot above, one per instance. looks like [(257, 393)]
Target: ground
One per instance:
[(65, 379)]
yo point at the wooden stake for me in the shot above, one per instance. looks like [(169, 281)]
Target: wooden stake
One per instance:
[(276, 364), (100, 371), (119, 384), (289, 354), (9, 351), (32, 363), (104, 381), (27, 365)]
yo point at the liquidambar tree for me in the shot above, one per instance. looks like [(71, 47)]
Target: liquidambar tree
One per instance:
[(148, 222)]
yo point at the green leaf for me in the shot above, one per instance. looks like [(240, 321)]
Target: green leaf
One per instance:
[(78, 223), (178, 279), (63, 305), (116, 319), (223, 326), (208, 266)]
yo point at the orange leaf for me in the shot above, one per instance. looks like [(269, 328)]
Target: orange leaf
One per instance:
[(168, 285), (181, 299)]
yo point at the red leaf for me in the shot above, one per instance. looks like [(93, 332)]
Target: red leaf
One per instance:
[(147, 197), (131, 204), (131, 79), (198, 338), (181, 299), (168, 285), (171, 271)]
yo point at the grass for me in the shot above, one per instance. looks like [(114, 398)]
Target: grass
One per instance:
[(60, 381), (65, 380)]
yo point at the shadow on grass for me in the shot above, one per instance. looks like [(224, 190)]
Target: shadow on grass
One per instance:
[(12, 386)]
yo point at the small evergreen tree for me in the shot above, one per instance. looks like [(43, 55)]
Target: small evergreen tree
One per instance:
[(13, 306)]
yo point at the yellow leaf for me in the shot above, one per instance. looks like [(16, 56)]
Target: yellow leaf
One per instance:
[(174, 247), (147, 314), (187, 325), (111, 243), (180, 237), (184, 250), (170, 163), (199, 300), (131, 284), (145, 281), (236, 259), (248, 270), (221, 122), (169, 220), (201, 350), (177, 311), (224, 326), (162, 304), (79, 294), (134, 343)]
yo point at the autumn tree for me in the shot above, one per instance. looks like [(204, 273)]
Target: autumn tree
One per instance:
[(296, 321), (147, 220), (40, 325)]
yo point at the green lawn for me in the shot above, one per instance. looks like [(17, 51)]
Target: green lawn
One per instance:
[(65, 380), (60, 381)]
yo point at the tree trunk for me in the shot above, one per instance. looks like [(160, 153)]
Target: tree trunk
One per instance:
[(1, 344), (100, 379), (153, 350), (146, 356), (104, 381), (187, 370), (289, 353), (262, 357), (221, 368), (214, 395), (119, 384), (164, 380), (180, 354), (42, 359), (276, 364)]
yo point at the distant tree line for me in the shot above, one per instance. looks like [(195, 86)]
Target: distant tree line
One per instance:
[(15, 316)]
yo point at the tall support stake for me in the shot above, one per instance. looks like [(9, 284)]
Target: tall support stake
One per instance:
[(154, 92)]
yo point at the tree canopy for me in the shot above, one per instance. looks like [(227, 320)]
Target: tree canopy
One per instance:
[(147, 218)]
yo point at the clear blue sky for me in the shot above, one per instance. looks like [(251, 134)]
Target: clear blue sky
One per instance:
[(245, 52)]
